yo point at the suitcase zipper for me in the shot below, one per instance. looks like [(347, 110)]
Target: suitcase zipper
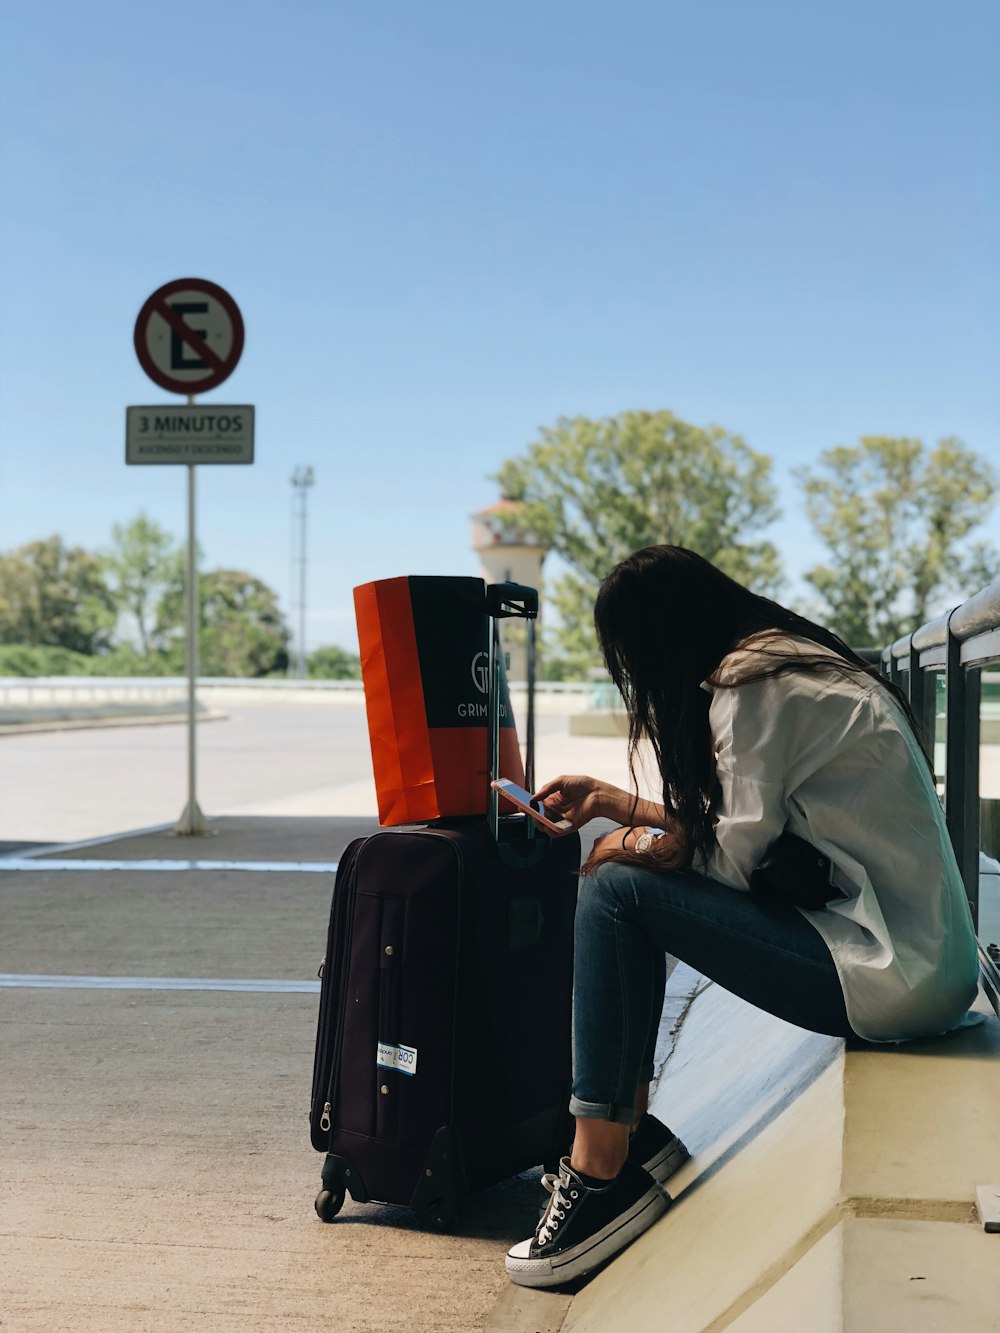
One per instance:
[(342, 899), (340, 970)]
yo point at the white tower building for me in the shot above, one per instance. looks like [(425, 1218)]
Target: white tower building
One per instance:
[(508, 553)]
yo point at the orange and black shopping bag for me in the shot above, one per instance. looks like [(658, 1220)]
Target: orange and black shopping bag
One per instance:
[(424, 644)]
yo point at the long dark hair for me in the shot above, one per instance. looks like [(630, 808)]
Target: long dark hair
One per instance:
[(665, 619)]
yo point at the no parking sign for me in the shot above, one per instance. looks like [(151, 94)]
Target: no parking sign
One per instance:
[(188, 338), (189, 335)]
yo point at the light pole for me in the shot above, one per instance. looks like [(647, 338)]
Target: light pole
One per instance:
[(302, 479)]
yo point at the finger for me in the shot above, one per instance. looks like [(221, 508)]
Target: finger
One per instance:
[(549, 789)]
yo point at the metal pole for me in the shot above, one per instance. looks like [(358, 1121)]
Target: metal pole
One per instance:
[(192, 821), (302, 585), (302, 479)]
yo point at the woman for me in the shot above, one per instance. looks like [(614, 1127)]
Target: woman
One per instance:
[(762, 724)]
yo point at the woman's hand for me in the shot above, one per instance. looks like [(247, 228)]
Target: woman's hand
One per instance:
[(576, 798), (618, 840), (581, 799)]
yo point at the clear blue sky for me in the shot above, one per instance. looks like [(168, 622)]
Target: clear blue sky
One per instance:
[(448, 224)]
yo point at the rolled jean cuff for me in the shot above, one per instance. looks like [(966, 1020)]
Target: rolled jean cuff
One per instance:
[(618, 1115)]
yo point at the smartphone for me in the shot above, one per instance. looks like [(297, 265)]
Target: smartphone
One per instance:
[(522, 799)]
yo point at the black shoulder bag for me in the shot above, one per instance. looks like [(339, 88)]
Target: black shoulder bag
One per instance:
[(793, 871)]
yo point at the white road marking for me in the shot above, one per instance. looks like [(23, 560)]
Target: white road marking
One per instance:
[(257, 867), (40, 981)]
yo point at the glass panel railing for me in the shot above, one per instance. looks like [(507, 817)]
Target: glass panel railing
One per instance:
[(940, 687), (989, 805)]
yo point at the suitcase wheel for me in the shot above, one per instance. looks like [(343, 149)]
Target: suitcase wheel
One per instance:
[(442, 1215), (329, 1203)]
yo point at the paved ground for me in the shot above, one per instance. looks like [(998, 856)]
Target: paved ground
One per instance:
[(68, 785), (157, 1169), (157, 1172), (158, 1176)]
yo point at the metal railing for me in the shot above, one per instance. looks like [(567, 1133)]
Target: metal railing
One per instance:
[(957, 646)]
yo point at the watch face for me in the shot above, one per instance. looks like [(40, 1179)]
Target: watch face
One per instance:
[(644, 842)]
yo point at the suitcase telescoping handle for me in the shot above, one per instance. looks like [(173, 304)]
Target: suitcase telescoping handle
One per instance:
[(509, 601)]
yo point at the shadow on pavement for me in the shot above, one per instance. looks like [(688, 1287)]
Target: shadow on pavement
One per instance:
[(505, 1212)]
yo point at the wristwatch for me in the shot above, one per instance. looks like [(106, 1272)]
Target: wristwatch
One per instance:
[(645, 840)]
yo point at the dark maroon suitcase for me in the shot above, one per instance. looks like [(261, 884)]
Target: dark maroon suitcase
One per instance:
[(443, 1051)]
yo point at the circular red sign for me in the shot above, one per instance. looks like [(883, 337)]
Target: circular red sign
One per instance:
[(189, 335)]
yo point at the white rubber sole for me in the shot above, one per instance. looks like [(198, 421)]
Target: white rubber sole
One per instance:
[(591, 1253), (666, 1162)]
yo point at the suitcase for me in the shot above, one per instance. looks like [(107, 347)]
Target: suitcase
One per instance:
[(443, 1059)]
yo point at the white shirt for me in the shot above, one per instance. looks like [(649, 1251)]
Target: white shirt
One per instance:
[(831, 758)]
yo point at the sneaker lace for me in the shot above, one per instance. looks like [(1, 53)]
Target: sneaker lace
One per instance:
[(558, 1206)]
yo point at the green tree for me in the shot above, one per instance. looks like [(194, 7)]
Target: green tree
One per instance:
[(241, 629), (55, 596), (595, 491), (334, 663), (243, 632), (894, 517), (144, 564)]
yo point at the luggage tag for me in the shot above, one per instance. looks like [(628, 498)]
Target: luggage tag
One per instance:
[(403, 1058)]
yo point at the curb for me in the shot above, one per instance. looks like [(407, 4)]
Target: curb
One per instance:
[(92, 723), (523, 1308)]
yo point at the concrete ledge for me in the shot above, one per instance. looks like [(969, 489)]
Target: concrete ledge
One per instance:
[(823, 1179), (101, 715), (915, 1275), (599, 722)]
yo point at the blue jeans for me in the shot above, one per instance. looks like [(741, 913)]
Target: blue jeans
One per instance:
[(627, 919)]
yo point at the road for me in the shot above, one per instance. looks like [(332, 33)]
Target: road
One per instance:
[(261, 759)]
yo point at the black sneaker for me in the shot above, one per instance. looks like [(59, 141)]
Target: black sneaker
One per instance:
[(652, 1146), (656, 1149), (583, 1227)]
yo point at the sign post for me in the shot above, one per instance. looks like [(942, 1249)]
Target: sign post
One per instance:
[(189, 338), (191, 820)]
